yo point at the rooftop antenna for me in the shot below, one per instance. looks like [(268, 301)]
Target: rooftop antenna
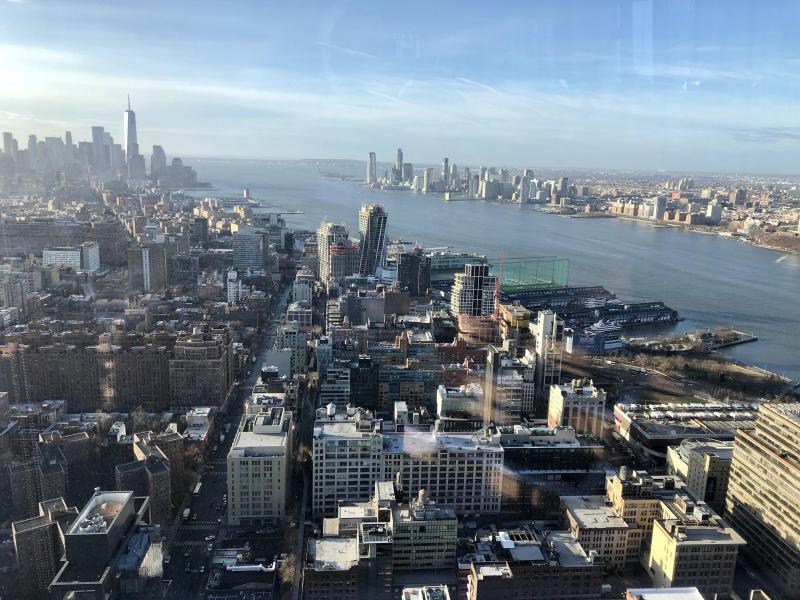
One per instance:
[(129, 102)]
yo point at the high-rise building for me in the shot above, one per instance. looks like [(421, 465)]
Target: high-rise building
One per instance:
[(258, 468), (33, 155), (408, 171), (201, 369), (290, 337), (148, 476), (414, 272), (8, 142), (372, 169), (508, 387), (473, 292), (328, 234), (763, 490), (738, 196), (130, 144), (446, 172), (549, 333), (158, 162), (110, 548), (398, 164), (372, 227), (427, 180), (39, 544), (250, 249), (99, 157), (147, 268), (85, 257)]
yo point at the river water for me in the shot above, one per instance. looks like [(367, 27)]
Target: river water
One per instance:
[(710, 280)]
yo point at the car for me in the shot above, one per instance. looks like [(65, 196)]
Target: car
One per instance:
[(202, 568), (187, 553), (219, 519), (167, 559), (210, 538), (188, 569), (194, 516)]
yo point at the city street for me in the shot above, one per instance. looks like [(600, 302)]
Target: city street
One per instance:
[(188, 574)]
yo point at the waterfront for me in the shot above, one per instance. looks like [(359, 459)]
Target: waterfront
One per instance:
[(710, 280)]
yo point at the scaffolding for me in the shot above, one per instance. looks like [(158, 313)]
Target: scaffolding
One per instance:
[(524, 273)]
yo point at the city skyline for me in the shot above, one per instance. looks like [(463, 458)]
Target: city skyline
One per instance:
[(649, 88)]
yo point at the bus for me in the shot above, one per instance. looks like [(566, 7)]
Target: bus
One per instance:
[(196, 491), (186, 513)]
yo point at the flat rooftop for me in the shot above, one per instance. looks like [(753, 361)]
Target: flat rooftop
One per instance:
[(100, 512), (333, 554), (592, 512), (420, 442), (687, 593)]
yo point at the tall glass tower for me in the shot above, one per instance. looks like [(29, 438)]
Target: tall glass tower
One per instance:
[(130, 143), (372, 227)]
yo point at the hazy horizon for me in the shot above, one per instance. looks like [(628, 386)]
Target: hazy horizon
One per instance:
[(624, 85)]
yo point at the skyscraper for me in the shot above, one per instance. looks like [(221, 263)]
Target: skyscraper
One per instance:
[(32, 154), (473, 291), (158, 162), (446, 172), (372, 227), (399, 162), (549, 332), (328, 234), (129, 141), (8, 142), (130, 145), (98, 149), (372, 169)]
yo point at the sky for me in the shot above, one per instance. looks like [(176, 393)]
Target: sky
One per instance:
[(691, 85)]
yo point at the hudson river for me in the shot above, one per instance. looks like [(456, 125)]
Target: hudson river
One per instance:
[(709, 280)]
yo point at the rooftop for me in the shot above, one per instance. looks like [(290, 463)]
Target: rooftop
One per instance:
[(428, 592), (592, 512), (690, 593), (100, 513), (333, 554), (788, 410)]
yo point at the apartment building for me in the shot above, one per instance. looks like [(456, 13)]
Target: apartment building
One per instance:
[(39, 544), (693, 547), (258, 468), (201, 369), (705, 466), (763, 491), (291, 337)]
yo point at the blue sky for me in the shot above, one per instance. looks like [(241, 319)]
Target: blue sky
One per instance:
[(646, 84)]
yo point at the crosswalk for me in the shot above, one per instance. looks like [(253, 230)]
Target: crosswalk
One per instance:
[(190, 544), (199, 526)]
